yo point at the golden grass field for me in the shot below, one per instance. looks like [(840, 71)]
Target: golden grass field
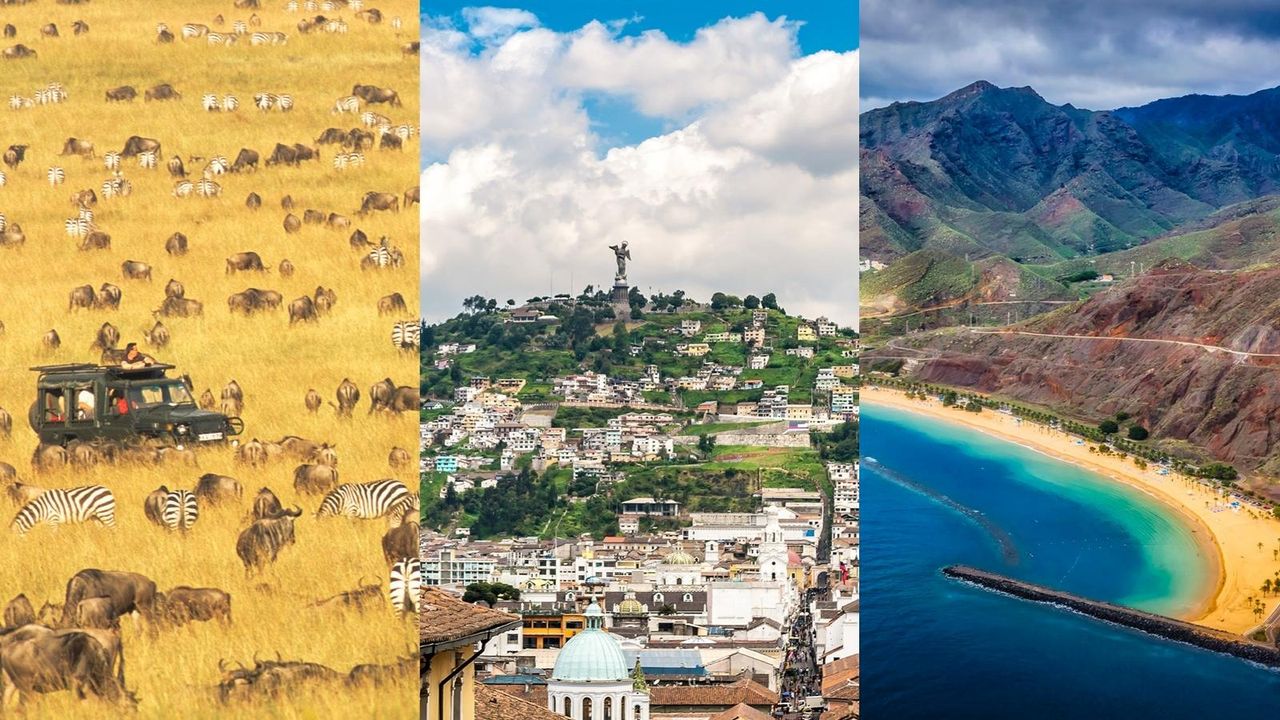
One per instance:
[(175, 673)]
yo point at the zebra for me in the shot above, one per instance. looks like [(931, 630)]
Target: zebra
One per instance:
[(380, 257), (3, 180), (342, 161), (218, 165), (221, 39), (43, 97), (209, 102), (370, 119), (327, 6), (264, 101), (348, 104), (404, 131), (338, 26), (73, 505), (395, 23), (57, 176), (17, 102), (405, 586), (162, 28), (180, 510), (291, 6), (356, 5), (3, 222), (284, 102), (116, 187), (182, 189), (147, 159), (365, 501), (208, 188), (57, 93), (111, 160), (406, 334), (85, 214), (240, 27), (230, 103), (194, 30), (77, 227), (310, 5)]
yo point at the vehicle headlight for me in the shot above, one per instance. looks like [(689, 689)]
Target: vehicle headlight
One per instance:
[(182, 429)]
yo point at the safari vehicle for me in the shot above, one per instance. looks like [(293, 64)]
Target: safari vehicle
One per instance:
[(81, 401)]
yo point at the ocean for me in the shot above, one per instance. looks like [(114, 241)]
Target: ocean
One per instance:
[(935, 494)]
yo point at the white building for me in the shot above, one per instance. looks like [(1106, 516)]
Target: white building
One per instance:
[(591, 679)]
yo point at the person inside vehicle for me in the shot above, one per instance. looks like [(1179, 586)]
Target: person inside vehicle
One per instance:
[(53, 406), (119, 404), (84, 404), (134, 358)]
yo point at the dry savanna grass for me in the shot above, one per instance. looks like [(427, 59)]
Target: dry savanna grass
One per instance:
[(174, 672)]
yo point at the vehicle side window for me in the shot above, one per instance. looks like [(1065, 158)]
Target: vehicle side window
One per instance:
[(54, 408)]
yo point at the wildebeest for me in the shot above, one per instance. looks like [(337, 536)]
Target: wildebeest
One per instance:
[(214, 489), (291, 223), (135, 270), (269, 678), (314, 479), (109, 297), (128, 591), (331, 136), (380, 394), (379, 201), (348, 395), (338, 222), (180, 307), (325, 299), (373, 95), (358, 139), (163, 91), (375, 674), (76, 146), (206, 400), (19, 612), (80, 27), (245, 159), (49, 30), (358, 240), (157, 336), (136, 144), (97, 612), (253, 201), (51, 341), (153, 505), (302, 310), (389, 141), (82, 297), (363, 597), (312, 217), (283, 154), (39, 660), (302, 152), (107, 338), (251, 453), (265, 505), (184, 604), (124, 93), (411, 196), (285, 268), (14, 156), (251, 300), (286, 202), (84, 199), (405, 399), (176, 168), (392, 304), (17, 52), (12, 235), (173, 288), (10, 30), (399, 458), (244, 262), (261, 542), (402, 541), (6, 428), (176, 245), (96, 240)]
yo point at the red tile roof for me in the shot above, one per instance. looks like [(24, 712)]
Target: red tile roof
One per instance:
[(743, 691), (494, 704), (445, 618), (741, 712)]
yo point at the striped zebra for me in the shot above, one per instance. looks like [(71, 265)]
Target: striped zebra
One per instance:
[(3, 178), (265, 101), (57, 93), (406, 334), (207, 188), (43, 97), (77, 227), (395, 23), (180, 510), (405, 586), (111, 160), (327, 6), (404, 132), (337, 26), (116, 187), (184, 189), (17, 102), (57, 176), (147, 159), (372, 119), (348, 104), (240, 27), (3, 222), (291, 6), (73, 505), (218, 165), (356, 5), (209, 102), (365, 501), (310, 5), (342, 161), (215, 38), (194, 30), (380, 257), (162, 28), (284, 102), (85, 214), (230, 103)]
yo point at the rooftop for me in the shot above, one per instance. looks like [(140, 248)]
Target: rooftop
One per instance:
[(493, 704), (447, 620)]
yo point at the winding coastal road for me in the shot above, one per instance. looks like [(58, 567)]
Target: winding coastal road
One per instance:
[(1241, 354)]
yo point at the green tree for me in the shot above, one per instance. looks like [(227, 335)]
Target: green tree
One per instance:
[(751, 302), (769, 301), (1137, 432), (1108, 427)]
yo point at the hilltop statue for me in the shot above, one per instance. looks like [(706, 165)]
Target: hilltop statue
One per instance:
[(622, 255)]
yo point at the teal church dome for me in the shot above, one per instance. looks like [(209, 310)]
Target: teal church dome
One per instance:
[(592, 655)]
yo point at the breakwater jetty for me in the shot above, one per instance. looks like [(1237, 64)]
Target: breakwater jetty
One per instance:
[(1150, 623)]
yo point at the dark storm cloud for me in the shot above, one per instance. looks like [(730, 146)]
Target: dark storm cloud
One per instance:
[(1096, 54)]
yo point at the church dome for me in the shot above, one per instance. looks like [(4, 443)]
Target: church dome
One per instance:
[(680, 557), (592, 655), (630, 605)]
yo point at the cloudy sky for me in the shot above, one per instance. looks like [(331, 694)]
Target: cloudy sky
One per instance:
[(1095, 54), (719, 139)]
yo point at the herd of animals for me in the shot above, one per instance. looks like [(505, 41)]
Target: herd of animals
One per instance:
[(74, 643)]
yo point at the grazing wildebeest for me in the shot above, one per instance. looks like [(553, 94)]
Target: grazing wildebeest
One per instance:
[(80, 27), (96, 240), (136, 145), (363, 597), (302, 152), (291, 223), (129, 592), (176, 168), (379, 201), (358, 139), (206, 400), (392, 304), (348, 396), (135, 270), (12, 235), (184, 604), (97, 612), (51, 341), (405, 399), (285, 268), (85, 199), (302, 310), (331, 136), (6, 428), (373, 95), (411, 196), (164, 36), (163, 91), (21, 493), (338, 222), (312, 217), (10, 30), (286, 202), (244, 262), (325, 299), (214, 489), (17, 52), (374, 674), (49, 30), (390, 141), (173, 288), (75, 146), (19, 612), (252, 300), (153, 505), (270, 678), (399, 458), (254, 201), (266, 505), (14, 156), (358, 240), (109, 297), (245, 159), (402, 541), (39, 660), (157, 336), (283, 154), (107, 338), (181, 307), (251, 453), (232, 391), (124, 93), (314, 479), (176, 245), (82, 297), (261, 542), (380, 394)]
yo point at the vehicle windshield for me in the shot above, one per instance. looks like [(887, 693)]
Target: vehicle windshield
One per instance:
[(160, 393)]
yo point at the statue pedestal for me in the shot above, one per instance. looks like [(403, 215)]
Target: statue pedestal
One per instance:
[(621, 298)]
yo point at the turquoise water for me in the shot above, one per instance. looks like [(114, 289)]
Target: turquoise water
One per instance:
[(935, 494)]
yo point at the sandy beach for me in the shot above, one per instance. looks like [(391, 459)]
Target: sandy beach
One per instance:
[(1231, 535)]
